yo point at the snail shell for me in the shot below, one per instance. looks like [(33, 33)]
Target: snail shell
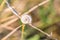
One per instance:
[(26, 19)]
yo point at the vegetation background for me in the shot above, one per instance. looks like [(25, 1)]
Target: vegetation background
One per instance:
[(45, 17)]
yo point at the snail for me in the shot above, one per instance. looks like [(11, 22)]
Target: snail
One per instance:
[(26, 19)]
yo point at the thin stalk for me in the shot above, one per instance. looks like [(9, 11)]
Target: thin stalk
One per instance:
[(22, 36), (12, 9), (49, 35), (4, 38)]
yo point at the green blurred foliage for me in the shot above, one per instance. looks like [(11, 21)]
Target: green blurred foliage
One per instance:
[(35, 37), (1, 1), (45, 12)]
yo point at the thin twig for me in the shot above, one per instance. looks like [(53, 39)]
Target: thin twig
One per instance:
[(10, 22), (6, 27), (42, 32), (33, 8), (8, 18), (39, 30), (4, 38), (12, 9)]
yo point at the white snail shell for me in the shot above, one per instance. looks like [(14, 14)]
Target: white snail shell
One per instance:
[(26, 19)]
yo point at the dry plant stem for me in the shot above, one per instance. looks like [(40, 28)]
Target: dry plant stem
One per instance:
[(9, 22), (4, 38), (12, 9), (33, 8), (6, 24), (7, 27), (8, 18), (40, 30), (49, 35)]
